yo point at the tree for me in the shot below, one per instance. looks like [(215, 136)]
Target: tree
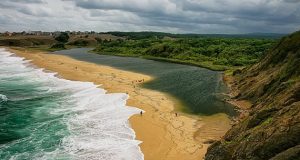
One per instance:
[(63, 37)]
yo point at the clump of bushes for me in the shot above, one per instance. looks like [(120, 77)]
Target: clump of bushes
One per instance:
[(62, 39), (79, 42), (58, 46)]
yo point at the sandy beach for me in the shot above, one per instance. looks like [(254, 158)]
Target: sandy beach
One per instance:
[(164, 135)]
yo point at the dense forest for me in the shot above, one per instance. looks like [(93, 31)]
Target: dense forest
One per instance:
[(147, 34), (217, 53)]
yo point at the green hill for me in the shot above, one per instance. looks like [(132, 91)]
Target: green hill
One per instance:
[(272, 128)]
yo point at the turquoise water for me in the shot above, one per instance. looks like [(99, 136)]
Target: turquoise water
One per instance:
[(200, 90), (45, 117)]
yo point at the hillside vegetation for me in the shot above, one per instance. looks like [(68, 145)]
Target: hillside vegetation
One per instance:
[(149, 34), (213, 53), (55, 42), (272, 128), (26, 41)]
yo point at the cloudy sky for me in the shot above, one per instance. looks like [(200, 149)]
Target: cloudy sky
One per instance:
[(176, 16)]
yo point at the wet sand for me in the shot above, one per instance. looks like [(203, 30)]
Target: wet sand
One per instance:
[(164, 135)]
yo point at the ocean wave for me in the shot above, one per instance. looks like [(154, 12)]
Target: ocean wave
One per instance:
[(3, 98), (97, 123)]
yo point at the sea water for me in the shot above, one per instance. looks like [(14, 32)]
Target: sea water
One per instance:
[(46, 117)]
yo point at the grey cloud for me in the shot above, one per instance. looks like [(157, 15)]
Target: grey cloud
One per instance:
[(292, 1), (269, 12), (199, 16), (28, 1), (137, 6), (24, 6), (14, 2)]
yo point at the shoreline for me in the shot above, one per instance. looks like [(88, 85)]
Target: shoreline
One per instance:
[(164, 135), (241, 105)]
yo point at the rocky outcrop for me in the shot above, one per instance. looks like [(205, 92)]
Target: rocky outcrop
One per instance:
[(272, 128)]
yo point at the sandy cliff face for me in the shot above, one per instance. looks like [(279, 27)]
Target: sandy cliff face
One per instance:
[(272, 128)]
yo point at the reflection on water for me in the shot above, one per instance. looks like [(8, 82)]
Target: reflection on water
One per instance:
[(200, 90)]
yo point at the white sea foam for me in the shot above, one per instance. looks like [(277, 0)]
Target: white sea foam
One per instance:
[(97, 122), (3, 98)]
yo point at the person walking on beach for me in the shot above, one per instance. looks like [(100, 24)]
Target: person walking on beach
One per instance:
[(141, 113)]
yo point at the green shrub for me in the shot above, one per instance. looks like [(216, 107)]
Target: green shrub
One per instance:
[(63, 37), (58, 46)]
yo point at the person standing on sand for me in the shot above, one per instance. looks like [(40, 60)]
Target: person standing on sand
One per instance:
[(141, 113)]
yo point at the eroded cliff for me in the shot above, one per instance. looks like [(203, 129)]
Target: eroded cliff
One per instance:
[(272, 128)]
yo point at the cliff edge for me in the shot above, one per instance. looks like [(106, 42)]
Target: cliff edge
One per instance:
[(271, 130)]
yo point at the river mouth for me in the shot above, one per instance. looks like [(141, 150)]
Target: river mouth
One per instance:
[(198, 90)]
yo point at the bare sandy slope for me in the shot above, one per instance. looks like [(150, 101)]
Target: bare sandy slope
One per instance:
[(164, 136)]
